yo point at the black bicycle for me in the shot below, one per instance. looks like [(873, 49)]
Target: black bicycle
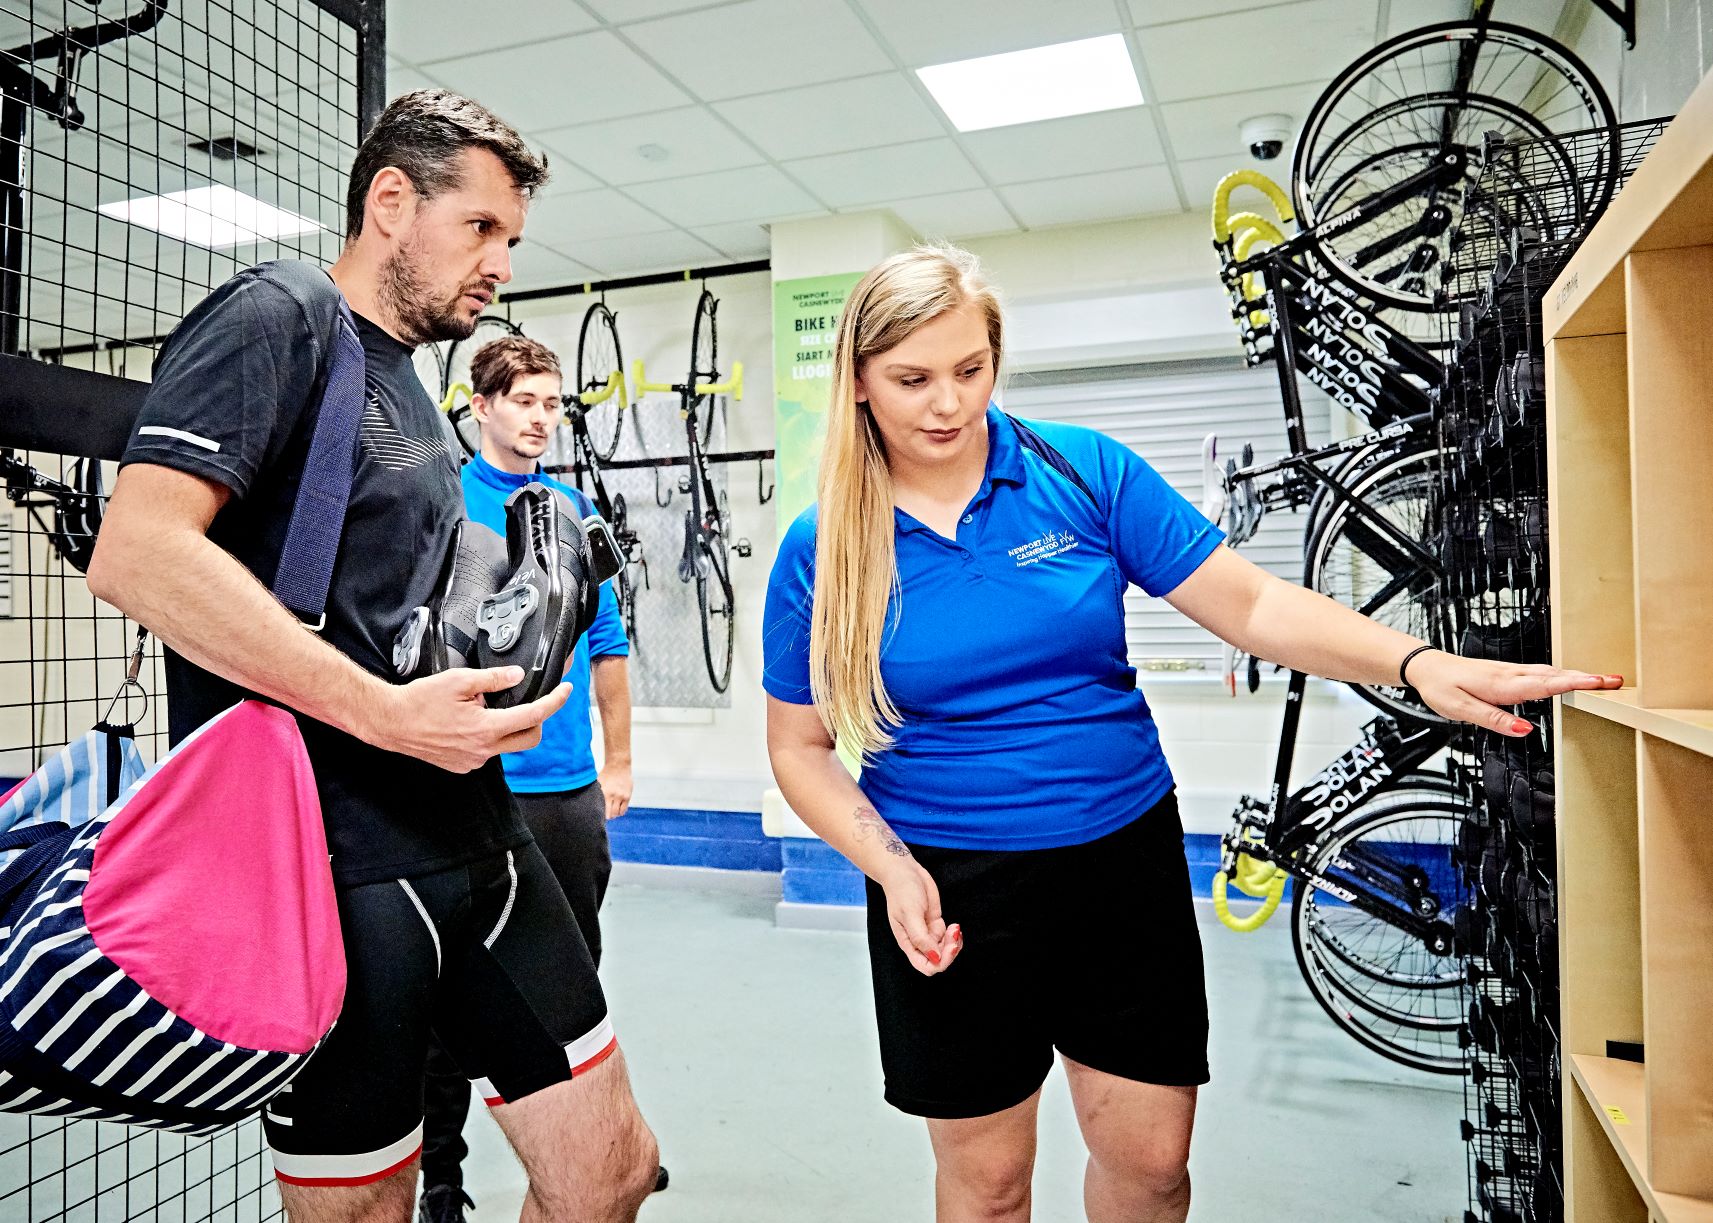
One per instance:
[(1371, 842), (706, 559)]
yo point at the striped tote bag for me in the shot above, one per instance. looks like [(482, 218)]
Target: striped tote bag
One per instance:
[(170, 958)]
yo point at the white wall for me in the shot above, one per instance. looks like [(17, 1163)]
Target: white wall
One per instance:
[(1673, 51), (704, 758)]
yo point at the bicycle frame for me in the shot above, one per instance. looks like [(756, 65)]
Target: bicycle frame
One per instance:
[(1291, 826)]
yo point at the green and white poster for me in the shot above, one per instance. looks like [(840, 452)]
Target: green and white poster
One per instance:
[(805, 322)]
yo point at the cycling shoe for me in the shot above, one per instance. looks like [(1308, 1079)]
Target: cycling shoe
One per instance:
[(547, 601), (523, 600)]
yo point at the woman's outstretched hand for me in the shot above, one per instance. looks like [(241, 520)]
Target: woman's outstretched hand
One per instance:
[(1472, 689)]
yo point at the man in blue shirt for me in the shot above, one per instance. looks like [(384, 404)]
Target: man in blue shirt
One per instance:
[(516, 383)]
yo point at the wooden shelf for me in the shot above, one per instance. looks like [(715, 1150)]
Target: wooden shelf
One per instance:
[(1688, 728), (1629, 446), (1667, 203), (1617, 1091)]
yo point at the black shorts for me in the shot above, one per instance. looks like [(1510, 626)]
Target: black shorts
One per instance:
[(1090, 949), (488, 955)]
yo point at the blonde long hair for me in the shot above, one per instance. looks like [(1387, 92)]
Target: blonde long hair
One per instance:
[(856, 568)]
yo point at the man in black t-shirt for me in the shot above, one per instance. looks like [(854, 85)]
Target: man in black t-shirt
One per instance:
[(451, 919)]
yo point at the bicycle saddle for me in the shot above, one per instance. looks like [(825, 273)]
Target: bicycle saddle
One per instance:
[(523, 600)]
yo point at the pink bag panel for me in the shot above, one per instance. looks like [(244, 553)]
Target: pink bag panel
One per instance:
[(211, 888)]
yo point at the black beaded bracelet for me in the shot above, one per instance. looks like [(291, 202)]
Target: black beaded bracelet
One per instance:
[(1403, 666)]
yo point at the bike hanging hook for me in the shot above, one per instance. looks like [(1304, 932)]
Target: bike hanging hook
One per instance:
[(662, 502), (764, 497)]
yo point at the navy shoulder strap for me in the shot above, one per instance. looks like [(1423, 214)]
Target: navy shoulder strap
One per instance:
[(318, 514), (1050, 455)]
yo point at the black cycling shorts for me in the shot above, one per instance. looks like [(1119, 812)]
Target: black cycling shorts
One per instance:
[(1090, 949), (488, 955)]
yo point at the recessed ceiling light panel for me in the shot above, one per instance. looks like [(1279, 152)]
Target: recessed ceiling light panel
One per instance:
[(1068, 78), (216, 217)]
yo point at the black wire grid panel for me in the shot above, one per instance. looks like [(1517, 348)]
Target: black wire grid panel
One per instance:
[(1491, 530), (229, 127), (230, 123)]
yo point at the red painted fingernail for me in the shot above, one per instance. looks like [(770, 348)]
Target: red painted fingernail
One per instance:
[(933, 957), (1521, 727)]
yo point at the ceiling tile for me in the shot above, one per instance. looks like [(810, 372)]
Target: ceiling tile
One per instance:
[(617, 12), (690, 141), (755, 193), (745, 240), (565, 80), (1207, 127), (1155, 12), (928, 167), (957, 214), (541, 267), (401, 78), (1307, 41), (831, 118), (566, 174), (1201, 175), (669, 251), (945, 30), (1112, 196), (1082, 144), (422, 31), (759, 46), (562, 218)]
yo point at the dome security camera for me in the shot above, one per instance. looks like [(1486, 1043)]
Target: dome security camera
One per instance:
[(1266, 135)]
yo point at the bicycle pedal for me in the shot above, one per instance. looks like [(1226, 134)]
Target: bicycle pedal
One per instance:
[(743, 548)]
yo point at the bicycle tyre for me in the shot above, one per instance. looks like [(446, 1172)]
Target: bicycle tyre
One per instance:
[(714, 600), (705, 550), (1340, 123), (1411, 1023), (598, 356), (1399, 488), (705, 361), (456, 371)]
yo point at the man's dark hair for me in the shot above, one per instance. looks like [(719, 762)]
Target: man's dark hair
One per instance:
[(498, 364), (422, 133)]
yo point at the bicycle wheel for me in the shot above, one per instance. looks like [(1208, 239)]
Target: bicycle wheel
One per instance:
[(714, 598), (1349, 559), (705, 360), (599, 357), (457, 358), (1376, 980), (1407, 102)]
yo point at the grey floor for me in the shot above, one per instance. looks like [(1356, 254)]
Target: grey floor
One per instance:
[(753, 1054)]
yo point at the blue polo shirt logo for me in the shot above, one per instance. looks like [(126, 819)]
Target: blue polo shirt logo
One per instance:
[(1053, 543), (1023, 726)]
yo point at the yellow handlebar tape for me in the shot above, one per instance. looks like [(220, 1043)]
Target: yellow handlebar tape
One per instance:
[(1246, 178), (452, 393), (1252, 921)]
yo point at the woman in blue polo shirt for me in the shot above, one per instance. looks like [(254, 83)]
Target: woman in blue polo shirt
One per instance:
[(952, 612)]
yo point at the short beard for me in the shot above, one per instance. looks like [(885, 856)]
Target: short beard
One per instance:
[(420, 319)]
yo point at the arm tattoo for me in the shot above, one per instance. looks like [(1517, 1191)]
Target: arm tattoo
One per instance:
[(869, 823)]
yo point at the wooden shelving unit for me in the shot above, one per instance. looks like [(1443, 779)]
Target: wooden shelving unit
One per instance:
[(1630, 455)]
